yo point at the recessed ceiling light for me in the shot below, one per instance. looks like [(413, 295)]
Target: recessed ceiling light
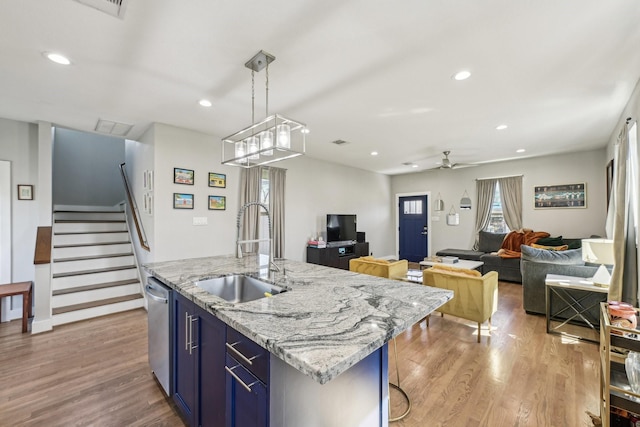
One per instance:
[(374, 153), (205, 103), (462, 75), (501, 127), (57, 58), (520, 150), (414, 165)]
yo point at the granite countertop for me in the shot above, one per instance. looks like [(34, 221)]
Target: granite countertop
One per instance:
[(328, 321)]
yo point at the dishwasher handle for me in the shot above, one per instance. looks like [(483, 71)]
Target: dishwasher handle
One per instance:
[(155, 297)]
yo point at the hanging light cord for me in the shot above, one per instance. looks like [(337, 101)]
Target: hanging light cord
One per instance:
[(266, 110), (253, 96)]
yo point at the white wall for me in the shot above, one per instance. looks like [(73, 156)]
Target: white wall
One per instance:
[(175, 236), (316, 188), (19, 145), (86, 169), (588, 167)]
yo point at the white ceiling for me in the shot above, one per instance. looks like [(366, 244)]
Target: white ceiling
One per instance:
[(376, 73)]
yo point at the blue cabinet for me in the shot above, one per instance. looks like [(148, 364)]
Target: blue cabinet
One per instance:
[(247, 380), (199, 356)]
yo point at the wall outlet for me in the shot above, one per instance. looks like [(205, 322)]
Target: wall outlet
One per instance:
[(200, 220)]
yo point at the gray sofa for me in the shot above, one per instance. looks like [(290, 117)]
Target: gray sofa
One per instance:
[(537, 263), (488, 243)]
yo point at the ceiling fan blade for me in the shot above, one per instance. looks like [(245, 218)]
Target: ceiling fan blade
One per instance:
[(462, 165)]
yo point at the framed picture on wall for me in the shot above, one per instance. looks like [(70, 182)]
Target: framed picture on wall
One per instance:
[(183, 176), (560, 196), (217, 180), (25, 192), (182, 201), (217, 203)]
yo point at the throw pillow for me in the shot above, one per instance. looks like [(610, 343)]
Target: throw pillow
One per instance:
[(550, 241), (550, 248), (568, 257), (490, 242)]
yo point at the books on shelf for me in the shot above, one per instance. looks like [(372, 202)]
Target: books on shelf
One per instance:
[(317, 244)]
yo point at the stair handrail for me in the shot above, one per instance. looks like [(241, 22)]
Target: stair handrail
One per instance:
[(42, 253), (134, 210)]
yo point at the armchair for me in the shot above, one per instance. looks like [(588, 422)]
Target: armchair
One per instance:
[(475, 296)]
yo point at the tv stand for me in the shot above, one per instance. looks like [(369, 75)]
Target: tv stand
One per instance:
[(338, 256)]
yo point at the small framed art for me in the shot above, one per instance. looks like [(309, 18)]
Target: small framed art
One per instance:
[(25, 192), (182, 201), (217, 203), (183, 176), (217, 180)]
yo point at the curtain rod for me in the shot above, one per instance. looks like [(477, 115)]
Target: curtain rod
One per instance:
[(498, 177)]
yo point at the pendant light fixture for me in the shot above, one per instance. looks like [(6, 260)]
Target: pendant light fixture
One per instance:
[(255, 145), (465, 202)]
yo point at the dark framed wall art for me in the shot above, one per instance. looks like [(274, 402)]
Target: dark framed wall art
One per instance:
[(560, 196), (182, 201), (183, 176)]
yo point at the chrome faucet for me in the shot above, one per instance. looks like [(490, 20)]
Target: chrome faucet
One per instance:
[(270, 239)]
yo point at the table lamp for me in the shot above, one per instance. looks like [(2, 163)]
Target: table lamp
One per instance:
[(599, 251)]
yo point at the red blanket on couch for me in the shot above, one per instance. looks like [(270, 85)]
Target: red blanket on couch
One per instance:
[(511, 244)]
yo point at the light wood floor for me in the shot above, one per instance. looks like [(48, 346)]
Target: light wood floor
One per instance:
[(96, 373)]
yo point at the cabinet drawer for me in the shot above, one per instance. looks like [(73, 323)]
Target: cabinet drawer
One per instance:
[(248, 354)]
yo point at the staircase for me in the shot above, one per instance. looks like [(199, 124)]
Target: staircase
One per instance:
[(94, 271)]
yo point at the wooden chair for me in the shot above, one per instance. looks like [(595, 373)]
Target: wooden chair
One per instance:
[(21, 288)]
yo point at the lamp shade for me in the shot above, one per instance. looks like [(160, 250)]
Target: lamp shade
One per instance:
[(598, 251)]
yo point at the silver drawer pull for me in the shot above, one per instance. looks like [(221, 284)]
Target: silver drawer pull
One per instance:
[(240, 355), (237, 378)]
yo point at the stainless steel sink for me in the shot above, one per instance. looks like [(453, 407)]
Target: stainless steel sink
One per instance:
[(239, 288)]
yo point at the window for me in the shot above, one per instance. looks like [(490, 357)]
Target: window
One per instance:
[(263, 232), (412, 207), (497, 223)]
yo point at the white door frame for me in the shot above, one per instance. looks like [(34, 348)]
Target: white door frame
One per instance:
[(5, 233), (397, 210)]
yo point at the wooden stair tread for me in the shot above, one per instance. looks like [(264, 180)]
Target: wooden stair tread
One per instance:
[(96, 286), (89, 221), (88, 258), (67, 233), (97, 270), (78, 245), (84, 212), (92, 304)]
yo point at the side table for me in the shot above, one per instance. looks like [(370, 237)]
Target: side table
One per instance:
[(20, 288), (579, 295)]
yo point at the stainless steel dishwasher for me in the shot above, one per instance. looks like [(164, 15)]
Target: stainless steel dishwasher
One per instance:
[(160, 331)]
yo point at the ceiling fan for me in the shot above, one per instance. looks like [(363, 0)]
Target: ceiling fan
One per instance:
[(446, 163)]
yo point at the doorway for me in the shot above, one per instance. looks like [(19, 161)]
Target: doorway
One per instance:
[(414, 222), (5, 232)]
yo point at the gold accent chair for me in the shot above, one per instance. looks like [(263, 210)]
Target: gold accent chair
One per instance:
[(475, 296), (380, 267)]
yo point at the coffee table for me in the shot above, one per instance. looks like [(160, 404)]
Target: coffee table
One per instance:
[(463, 263)]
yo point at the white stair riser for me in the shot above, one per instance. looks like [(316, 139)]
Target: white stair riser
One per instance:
[(70, 282), (103, 310), (81, 208), (74, 252), (92, 216), (91, 264), (89, 238), (94, 295), (88, 227)]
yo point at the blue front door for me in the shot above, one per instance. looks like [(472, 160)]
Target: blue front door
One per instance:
[(413, 230)]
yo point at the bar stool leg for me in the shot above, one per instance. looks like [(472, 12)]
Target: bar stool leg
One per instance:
[(397, 387)]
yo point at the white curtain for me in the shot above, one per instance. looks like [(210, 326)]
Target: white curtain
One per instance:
[(485, 189), (250, 185), (277, 181), (511, 199), (624, 280)]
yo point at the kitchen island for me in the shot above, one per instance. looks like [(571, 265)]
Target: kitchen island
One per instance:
[(331, 325)]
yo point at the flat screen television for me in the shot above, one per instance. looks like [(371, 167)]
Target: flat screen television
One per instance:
[(341, 227)]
